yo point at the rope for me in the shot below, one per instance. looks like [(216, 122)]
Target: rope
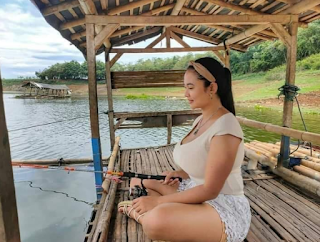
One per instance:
[(289, 91)]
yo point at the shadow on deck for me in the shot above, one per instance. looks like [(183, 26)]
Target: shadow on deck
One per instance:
[(280, 212)]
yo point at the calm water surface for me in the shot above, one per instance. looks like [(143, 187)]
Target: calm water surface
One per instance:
[(56, 205)]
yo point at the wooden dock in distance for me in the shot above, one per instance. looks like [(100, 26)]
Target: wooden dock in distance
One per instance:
[(279, 211)]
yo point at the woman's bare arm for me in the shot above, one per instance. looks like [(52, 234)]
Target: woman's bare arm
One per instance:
[(221, 156)]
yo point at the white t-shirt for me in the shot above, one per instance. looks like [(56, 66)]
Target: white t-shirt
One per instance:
[(192, 156)]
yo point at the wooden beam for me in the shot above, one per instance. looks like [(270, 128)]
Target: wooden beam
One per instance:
[(194, 12), (138, 35), (245, 34), (201, 37), (161, 50), (316, 8), (288, 104), (129, 6), (110, 100), (104, 4), (60, 7), (9, 224), (191, 20), (178, 6), (119, 123), (114, 59), (104, 35), (152, 44), (72, 24), (93, 103), (290, 73), (179, 40), (91, 60), (126, 31), (234, 7), (168, 44), (156, 41), (294, 9), (300, 7), (219, 55), (88, 6), (282, 34)]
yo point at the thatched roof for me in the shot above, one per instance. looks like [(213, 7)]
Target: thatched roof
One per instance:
[(45, 86), (68, 17)]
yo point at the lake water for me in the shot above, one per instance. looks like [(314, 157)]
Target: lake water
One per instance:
[(56, 205)]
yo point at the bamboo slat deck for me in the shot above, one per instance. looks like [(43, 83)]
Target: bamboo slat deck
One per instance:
[(279, 211)]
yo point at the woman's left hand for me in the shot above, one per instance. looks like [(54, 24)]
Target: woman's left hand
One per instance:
[(145, 203)]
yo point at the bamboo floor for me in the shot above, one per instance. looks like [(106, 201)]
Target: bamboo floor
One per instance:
[(280, 212)]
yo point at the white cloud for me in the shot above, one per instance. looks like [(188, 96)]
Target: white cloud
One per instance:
[(28, 43)]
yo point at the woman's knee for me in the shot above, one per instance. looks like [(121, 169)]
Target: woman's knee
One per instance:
[(156, 221)]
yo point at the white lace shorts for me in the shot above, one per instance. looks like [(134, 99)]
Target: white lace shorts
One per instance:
[(234, 212)]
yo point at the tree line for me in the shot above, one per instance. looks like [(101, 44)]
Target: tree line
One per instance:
[(258, 58)]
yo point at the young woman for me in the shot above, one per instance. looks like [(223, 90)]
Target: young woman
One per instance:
[(209, 204)]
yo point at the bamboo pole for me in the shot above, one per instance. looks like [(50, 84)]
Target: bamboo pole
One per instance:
[(276, 149), (301, 181), (297, 134), (9, 224), (106, 182), (305, 151), (305, 170), (102, 229)]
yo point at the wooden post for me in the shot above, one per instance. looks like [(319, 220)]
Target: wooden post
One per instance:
[(168, 44), (9, 225), (93, 102), (110, 100), (288, 104), (169, 126)]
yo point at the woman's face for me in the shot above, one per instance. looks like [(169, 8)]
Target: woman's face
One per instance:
[(197, 95)]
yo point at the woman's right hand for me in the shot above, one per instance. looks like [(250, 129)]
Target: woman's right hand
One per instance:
[(168, 180)]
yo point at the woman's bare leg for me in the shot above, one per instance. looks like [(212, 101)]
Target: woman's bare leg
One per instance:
[(183, 222)]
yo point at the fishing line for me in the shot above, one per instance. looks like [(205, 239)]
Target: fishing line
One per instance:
[(59, 121), (58, 192)]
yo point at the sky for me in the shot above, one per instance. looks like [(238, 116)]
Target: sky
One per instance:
[(29, 44)]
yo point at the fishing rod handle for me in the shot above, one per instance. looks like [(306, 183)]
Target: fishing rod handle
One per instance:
[(145, 176), (173, 178)]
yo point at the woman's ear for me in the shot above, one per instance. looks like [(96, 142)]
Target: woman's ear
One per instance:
[(214, 87)]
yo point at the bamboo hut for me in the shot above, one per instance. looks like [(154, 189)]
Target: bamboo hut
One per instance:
[(281, 210), (42, 90)]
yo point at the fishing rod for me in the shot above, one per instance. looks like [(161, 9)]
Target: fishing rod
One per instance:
[(67, 168), (141, 176), (119, 174)]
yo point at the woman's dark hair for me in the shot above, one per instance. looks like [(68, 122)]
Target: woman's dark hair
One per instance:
[(223, 79)]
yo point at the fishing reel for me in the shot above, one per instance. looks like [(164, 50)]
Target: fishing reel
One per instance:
[(138, 191)]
